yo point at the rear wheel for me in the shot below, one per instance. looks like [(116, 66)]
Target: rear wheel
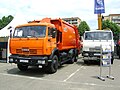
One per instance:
[(112, 59), (72, 59), (22, 67), (86, 62), (53, 66), (117, 50), (119, 55), (76, 56)]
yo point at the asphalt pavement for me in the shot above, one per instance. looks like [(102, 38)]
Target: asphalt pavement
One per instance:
[(77, 76)]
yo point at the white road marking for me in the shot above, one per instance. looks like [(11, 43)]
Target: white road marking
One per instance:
[(72, 74), (15, 75)]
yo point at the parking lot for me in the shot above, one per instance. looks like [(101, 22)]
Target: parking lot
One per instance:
[(77, 76)]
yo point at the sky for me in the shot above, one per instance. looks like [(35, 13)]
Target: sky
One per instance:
[(38, 9)]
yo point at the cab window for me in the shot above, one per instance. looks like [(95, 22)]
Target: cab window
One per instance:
[(52, 32)]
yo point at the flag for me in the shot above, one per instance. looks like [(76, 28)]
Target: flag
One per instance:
[(99, 7)]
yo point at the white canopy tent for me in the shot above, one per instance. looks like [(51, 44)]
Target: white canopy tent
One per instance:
[(17, 20)]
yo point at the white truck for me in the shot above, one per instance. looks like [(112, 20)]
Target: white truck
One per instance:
[(92, 40)]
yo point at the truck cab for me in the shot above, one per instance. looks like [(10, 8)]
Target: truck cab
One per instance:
[(34, 35), (92, 40)]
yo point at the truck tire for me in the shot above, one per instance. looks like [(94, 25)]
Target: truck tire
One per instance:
[(76, 56), (119, 55), (117, 50), (72, 59), (53, 66), (86, 62), (22, 67), (112, 59)]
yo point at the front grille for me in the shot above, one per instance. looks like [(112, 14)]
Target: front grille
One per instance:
[(29, 51), (18, 51), (95, 49), (91, 54), (33, 51), (25, 52)]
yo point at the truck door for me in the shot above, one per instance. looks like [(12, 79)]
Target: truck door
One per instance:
[(51, 38)]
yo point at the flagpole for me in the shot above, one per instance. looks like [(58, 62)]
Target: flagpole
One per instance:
[(99, 22)]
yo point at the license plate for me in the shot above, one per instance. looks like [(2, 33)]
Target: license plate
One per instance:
[(26, 61)]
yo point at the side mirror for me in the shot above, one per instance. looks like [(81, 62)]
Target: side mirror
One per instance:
[(10, 33), (53, 34), (81, 38)]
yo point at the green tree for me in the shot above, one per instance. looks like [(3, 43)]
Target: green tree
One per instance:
[(112, 26), (83, 26), (5, 21)]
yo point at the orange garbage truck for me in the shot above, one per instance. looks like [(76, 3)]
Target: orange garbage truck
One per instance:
[(48, 43)]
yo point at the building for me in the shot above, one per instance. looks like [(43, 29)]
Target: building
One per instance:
[(3, 47), (73, 20), (115, 18)]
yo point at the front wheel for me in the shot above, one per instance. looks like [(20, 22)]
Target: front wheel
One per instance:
[(86, 62), (112, 59), (119, 55), (73, 57), (53, 66), (22, 67)]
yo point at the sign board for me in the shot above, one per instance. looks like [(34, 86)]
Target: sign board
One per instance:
[(106, 55), (106, 59), (99, 7)]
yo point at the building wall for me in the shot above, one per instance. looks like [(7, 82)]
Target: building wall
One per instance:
[(73, 20), (3, 48), (115, 18)]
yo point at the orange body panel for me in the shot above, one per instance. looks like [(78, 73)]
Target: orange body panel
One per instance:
[(32, 46), (70, 36)]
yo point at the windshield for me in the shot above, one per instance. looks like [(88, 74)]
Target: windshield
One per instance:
[(98, 36), (30, 31)]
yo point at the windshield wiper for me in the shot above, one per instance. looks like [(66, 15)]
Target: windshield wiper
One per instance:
[(16, 36)]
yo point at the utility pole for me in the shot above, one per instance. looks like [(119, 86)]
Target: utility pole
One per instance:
[(98, 9), (99, 22)]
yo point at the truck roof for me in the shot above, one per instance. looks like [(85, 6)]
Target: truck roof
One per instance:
[(99, 31), (35, 24)]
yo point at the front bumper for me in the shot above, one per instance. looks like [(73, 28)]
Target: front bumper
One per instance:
[(91, 55), (87, 55), (30, 60)]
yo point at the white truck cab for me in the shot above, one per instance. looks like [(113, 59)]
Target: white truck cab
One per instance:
[(92, 40)]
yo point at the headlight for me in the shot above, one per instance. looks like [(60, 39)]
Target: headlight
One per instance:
[(86, 54), (41, 61), (10, 60)]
